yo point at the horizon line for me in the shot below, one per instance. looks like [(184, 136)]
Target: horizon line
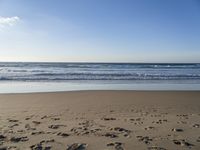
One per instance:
[(100, 62)]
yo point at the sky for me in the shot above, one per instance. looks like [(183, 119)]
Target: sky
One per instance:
[(100, 30)]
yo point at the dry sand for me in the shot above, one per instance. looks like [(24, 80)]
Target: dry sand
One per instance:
[(100, 120)]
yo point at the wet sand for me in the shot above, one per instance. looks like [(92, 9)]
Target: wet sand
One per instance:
[(100, 120)]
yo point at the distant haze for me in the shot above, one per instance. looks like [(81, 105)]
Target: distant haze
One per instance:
[(100, 30)]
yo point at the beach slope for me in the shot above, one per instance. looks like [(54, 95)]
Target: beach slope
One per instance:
[(101, 120)]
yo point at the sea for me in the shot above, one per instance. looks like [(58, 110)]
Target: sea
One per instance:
[(25, 77)]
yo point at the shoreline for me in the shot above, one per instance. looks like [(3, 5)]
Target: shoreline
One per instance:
[(38, 87), (81, 91)]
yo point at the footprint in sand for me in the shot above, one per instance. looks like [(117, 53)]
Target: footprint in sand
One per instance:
[(177, 130), (37, 133), (160, 121), (144, 139), (13, 120), (36, 122), (43, 145), (14, 125), (184, 116), (182, 143), (29, 117), (149, 128), (77, 146), (2, 139), (19, 139), (109, 119), (182, 122), (198, 140), (116, 145), (56, 126), (44, 117), (40, 147), (110, 135), (63, 134), (28, 127), (122, 131), (47, 141), (137, 121), (9, 148), (156, 148), (21, 131), (196, 125), (55, 119)]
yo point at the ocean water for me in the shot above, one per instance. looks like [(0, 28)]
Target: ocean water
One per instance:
[(42, 77)]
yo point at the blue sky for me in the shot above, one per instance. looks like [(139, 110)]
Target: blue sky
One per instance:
[(100, 30)]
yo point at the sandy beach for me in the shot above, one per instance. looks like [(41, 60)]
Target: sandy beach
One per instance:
[(100, 120)]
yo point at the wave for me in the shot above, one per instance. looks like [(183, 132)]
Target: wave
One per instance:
[(97, 71), (100, 77)]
